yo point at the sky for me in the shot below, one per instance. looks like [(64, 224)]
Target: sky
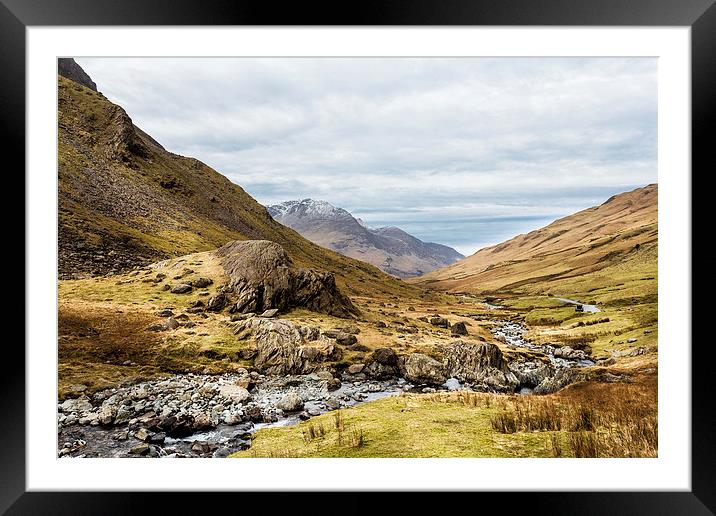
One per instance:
[(467, 152)]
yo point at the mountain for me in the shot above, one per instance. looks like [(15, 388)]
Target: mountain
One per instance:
[(592, 247), (389, 248), (126, 201)]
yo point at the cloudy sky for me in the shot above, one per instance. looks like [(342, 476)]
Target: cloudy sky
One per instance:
[(463, 151)]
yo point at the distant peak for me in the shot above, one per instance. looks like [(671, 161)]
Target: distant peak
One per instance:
[(306, 207)]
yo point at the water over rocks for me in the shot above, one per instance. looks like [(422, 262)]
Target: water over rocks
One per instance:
[(543, 376), (201, 415)]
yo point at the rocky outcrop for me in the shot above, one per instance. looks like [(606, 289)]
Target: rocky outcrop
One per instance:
[(281, 348), (479, 364), (384, 364), (420, 368), (565, 377), (262, 277), (68, 67)]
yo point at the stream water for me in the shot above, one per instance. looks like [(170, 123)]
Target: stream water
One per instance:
[(91, 439)]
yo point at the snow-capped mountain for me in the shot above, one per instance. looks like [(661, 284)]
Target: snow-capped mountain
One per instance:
[(389, 248)]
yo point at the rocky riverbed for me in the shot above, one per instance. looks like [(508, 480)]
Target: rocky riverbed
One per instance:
[(206, 416), (192, 415)]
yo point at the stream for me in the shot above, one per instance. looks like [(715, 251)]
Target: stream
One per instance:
[(221, 423)]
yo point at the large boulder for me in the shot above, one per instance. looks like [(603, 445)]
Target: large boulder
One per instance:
[(262, 277), (281, 349), (481, 363), (421, 368)]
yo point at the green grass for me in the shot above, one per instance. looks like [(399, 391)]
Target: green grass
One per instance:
[(404, 426)]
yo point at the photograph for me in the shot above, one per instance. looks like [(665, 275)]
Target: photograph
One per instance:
[(353, 257)]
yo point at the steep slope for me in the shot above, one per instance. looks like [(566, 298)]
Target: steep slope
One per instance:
[(389, 248), (126, 201), (620, 234)]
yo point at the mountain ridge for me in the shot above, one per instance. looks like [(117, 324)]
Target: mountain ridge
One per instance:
[(582, 243), (125, 201), (389, 248)]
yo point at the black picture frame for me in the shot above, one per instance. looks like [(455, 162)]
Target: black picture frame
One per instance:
[(700, 15)]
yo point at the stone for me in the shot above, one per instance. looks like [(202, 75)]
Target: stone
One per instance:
[(202, 282), (440, 322), (380, 324), (143, 434), (346, 339), (262, 275), (140, 449), (270, 313), (420, 368), (78, 405), (216, 303), (481, 363), (355, 368), (77, 388), (333, 384), (385, 356), (458, 329), (242, 317), (165, 313), (310, 332), (291, 402), (353, 330), (235, 393), (181, 288), (280, 348), (631, 340)]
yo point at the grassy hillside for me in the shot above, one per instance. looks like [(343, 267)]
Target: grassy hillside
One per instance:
[(126, 201), (573, 254)]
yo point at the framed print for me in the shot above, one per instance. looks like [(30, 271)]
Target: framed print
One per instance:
[(421, 248)]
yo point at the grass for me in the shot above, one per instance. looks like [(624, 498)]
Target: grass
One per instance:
[(585, 420)]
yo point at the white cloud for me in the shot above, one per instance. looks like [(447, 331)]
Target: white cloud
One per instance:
[(409, 140)]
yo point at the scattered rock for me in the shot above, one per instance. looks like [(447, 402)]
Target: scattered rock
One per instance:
[(216, 303), (458, 329), (420, 368), (140, 449), (355, 368), (385, 356), (236, 393), (452, 384), (291, 402), (440, 322), (346, 339), (272, 312), (181, 288), (479, 363), (202, 282), (143, 434)]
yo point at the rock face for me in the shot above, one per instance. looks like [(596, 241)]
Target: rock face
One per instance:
[(67, 67), (479, 363), (263, 277), (423, 369), (281, 348)]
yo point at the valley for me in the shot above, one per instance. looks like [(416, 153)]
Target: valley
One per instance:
[(191, 323)]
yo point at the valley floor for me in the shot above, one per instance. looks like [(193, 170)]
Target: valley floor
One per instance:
[(607, 409)]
